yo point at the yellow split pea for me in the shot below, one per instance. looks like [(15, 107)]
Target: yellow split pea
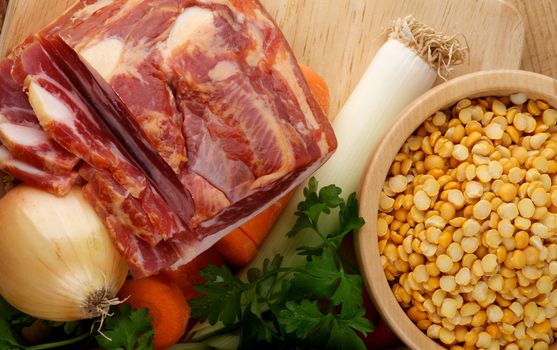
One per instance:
[(467, 224)]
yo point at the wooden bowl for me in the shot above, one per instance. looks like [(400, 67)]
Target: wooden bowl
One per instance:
[(489, 83)]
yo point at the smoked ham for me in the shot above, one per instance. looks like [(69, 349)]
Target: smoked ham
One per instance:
[(212, 87)]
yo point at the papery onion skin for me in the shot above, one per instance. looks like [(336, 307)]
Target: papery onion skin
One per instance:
[(56, 256)]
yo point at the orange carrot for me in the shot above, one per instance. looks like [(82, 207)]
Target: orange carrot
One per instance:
[(167, 307), (240, 246), (257, 228), (188, 275), (318, 87), (236, 248)]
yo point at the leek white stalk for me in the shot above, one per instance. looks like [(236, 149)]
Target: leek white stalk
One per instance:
[(405, 67), (57, 261)]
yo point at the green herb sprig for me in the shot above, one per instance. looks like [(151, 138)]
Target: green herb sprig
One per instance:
[(125, 329), (318, 304)]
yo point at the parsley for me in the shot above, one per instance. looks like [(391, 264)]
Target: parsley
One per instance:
[(127, 330), (7, 339), (318, 304), (10, 318)]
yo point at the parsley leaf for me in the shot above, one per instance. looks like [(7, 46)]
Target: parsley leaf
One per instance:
[(127, 330), (256, 330), (330, 196), (10, 319), (310, 252), (343, 338), (267, 275), (7, 339), (308, 211), (14, 316), (73, 327), (223, 295), (318, 277), (357, 322), (300, 318), (348, 294)]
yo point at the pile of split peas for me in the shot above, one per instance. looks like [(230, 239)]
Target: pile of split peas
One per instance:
[(467, 224)]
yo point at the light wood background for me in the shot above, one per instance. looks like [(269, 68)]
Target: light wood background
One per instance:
[(343, 36), (539, 17), (3, 5), (494, 32)]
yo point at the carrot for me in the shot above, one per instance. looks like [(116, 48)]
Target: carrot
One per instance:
[(236, 248), (318, 87), (167, 307), (188, 275), (240, 246), (257, 228)]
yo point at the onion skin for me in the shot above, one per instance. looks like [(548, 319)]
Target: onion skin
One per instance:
[(56, 256)]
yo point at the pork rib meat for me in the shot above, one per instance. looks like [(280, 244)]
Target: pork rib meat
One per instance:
[(217, 93)]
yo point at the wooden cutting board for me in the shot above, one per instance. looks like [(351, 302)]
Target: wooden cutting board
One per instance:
[(339, 38)]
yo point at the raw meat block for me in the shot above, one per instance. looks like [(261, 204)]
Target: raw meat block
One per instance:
[(217, 93)]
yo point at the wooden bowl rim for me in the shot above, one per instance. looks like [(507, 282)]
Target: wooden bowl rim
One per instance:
[(485, 83)]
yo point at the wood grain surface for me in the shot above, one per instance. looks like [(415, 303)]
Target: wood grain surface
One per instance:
[(3, 5), (540, 19), (338, 38), (24, 17), (343, 36)]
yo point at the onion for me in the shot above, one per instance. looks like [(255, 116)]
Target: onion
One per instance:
[(57, 261)]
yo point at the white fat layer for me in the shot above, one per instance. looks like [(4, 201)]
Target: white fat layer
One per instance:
[(104, 56), (7, 160), (189, 24), (223, 70), (47, 107), (22, 135)]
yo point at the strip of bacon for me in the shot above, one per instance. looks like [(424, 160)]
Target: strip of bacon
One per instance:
[(35, 147), (22, 136), (59, 184)]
